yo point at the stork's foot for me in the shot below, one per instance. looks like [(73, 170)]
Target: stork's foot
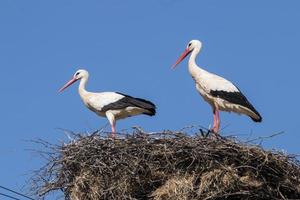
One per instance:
[(113, 131), (112, 136), (214, 130)]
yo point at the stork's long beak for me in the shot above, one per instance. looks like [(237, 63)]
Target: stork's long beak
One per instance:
[(183, 55), (70, 82)]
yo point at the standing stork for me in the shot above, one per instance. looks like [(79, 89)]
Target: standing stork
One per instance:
[(220, 93), (112, 105)]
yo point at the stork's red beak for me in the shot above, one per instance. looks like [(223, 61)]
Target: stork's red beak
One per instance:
[(70, 82), (183, 55)]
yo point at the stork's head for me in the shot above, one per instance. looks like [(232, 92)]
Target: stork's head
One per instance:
[(192, 45), (79, 74)]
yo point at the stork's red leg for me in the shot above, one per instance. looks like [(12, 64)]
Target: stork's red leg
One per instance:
[(112, 121), (218, 120), (216, 125), (113, 130), (215, 119)]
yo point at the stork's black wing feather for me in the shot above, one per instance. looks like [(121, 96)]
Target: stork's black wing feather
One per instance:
[(236, 98), (129, 101)]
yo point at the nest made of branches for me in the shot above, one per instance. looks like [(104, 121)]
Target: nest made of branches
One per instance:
[(166, 165)]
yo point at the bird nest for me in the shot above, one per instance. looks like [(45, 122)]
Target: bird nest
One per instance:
[(166, 165)]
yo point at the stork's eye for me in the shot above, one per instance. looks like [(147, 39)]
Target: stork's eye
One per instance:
[(77, 73), (190, 44)]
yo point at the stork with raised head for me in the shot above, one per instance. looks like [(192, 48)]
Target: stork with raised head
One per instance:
[(112, 105), (220, 93)]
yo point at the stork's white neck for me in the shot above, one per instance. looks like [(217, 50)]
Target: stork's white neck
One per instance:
[(193, 67), (81, 89)]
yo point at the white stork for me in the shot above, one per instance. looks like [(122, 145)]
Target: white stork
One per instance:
[(220, 93), (112, 105)]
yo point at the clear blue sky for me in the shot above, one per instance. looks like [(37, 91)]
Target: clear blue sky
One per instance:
[(129, 46)]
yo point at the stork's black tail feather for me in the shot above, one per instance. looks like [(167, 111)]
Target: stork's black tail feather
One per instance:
[(151, 112), (259, 119), (147, 105)]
